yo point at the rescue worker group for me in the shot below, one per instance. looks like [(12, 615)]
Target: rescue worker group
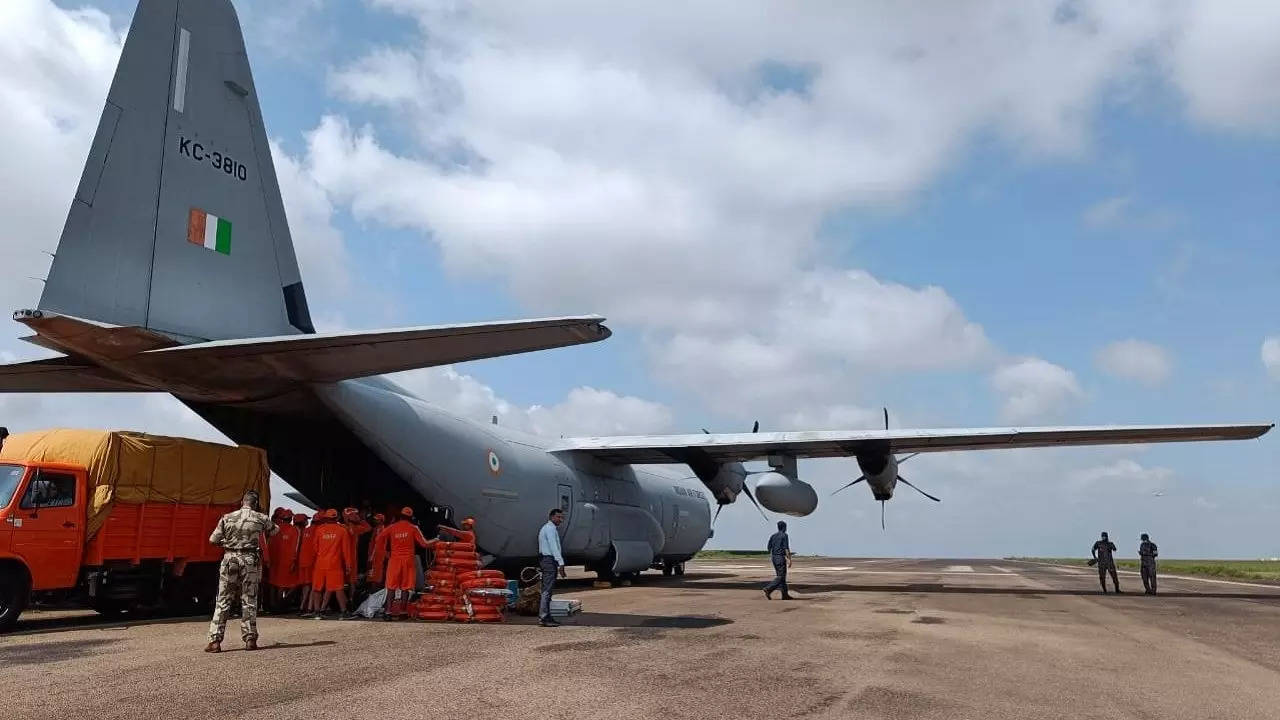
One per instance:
[(296, 564)]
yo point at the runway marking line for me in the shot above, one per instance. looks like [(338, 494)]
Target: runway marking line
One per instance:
[(959, 568)]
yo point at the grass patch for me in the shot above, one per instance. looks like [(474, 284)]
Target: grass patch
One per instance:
[(1258, 570), (728, 554)]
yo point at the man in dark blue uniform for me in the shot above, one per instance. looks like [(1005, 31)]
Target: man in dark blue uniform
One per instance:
[(780, 554)]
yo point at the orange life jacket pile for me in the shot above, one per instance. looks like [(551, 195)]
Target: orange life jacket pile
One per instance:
[(460, 590)]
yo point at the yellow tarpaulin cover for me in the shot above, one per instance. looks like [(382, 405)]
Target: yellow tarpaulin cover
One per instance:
[(133, 468)]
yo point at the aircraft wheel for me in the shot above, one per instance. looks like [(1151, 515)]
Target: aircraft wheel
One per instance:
[(679, 569), (667, 569)]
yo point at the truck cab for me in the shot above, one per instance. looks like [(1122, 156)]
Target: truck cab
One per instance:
[(42, 518)]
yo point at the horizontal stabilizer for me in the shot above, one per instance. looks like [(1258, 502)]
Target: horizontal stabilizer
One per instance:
[(741, 447), (259, 367), (63, 374)]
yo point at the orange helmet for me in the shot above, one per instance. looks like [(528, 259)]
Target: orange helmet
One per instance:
[(468, 523), (406, 512), (331, 514), (379, 518), (300, 519)]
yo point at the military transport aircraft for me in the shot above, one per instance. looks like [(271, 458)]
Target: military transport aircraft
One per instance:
[(176, 273)]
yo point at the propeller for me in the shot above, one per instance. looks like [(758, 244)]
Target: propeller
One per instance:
[(907, 482), (904, 481), (746, 490), (855, 482)]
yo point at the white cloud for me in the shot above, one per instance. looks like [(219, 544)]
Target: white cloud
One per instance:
[(57, 64), (1271, 356), (1137, 360), (1123, 475), (1224, 58), (322, 253), (1108, 212), (584, 411), (1034, 389)]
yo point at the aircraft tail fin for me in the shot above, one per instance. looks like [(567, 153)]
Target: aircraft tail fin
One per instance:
[(177, 225)]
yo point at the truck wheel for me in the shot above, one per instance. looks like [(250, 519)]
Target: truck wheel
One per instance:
[(13, 598)]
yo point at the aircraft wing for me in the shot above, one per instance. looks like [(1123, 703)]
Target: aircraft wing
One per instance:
[(741, 447), (63, 374)]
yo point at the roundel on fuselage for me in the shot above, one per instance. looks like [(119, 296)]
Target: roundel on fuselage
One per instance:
[(495, 465)]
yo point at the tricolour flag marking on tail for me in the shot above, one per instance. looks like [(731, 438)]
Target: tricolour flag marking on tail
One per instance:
[(210, 231)]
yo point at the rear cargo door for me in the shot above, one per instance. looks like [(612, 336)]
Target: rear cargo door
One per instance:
[(48, 529)]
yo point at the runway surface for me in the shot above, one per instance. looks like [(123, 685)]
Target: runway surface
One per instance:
[(866, 638)]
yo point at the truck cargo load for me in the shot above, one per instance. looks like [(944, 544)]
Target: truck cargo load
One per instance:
[(134, 468)]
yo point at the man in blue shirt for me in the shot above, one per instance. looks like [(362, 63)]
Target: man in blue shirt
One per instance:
[(551, 563), (780, 554)]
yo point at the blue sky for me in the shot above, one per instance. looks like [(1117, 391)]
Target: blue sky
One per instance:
[(952, 228)]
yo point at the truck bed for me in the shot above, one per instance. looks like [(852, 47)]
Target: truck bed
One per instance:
[(156, 531)]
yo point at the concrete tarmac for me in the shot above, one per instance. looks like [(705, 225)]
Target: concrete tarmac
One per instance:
[(865, 638)]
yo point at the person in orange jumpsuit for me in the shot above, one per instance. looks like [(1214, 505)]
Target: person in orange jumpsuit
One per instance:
[(377, 557), (465, 535), (306, 559), (332, 565), (282, 560), (355, 526), (401, 539)]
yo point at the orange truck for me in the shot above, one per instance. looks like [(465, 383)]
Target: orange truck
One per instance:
[(116, 521)]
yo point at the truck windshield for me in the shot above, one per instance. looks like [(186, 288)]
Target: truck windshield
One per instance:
[(10, 476)]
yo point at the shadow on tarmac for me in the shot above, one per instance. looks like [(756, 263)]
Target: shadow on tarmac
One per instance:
[(46, 625), (50, 652), (624, 620)]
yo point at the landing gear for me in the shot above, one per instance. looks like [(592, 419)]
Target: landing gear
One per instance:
[(672, 568)]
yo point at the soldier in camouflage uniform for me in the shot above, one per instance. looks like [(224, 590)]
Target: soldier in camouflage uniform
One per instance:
[(1104, 555), (1148, 552), (238, 532)]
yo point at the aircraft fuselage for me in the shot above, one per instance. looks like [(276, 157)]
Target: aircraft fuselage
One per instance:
[(618, 517)]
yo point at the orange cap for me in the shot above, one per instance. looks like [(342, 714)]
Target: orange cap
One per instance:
[(406, 512), (379, 517), (331, 514), (300, 519)]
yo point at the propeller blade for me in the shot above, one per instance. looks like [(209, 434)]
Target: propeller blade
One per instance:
[(913, 487), (882, 515), (706, 431), (886, 418), (756, 427), (904, 459), (713, 519), (855, 482), (747, 491)]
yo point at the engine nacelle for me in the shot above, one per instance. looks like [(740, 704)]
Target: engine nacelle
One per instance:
[(881, 471), (785, 495), (726, 484)]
